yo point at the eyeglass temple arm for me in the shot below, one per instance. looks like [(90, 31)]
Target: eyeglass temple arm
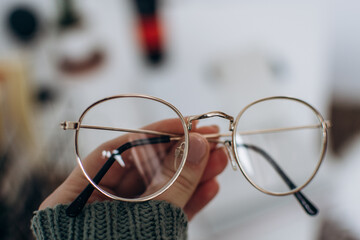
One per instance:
[(69, 125), (78, 204), (307, 205)]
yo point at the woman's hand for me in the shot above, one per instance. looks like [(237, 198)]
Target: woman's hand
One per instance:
[(194, 188)]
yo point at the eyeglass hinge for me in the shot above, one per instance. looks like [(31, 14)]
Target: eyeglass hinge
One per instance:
[(328, 123), (69, 125)]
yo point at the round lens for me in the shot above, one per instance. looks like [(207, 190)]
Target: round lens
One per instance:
[(279, 144), (132, 147)]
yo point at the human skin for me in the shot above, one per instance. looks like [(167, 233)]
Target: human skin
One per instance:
[(192, 191)]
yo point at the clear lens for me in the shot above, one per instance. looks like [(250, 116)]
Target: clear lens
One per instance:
[(120, 146), (279, 144)]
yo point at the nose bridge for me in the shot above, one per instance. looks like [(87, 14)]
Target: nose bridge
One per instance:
[(210, 115)]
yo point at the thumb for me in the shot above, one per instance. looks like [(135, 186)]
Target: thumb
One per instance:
[(184, 186)]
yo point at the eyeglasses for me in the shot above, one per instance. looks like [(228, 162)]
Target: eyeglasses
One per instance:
[(137, 145)]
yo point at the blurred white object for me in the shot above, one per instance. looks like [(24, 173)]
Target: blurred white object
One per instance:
[(345, 50)]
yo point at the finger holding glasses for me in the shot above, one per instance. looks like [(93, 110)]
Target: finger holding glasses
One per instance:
[(193, 189)]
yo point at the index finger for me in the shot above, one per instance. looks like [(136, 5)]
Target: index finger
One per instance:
[(135, 171)]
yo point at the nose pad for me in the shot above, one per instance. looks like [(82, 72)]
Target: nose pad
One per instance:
[(231, 155), (179, 152)]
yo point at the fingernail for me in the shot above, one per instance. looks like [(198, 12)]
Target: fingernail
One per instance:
[(198, 147)]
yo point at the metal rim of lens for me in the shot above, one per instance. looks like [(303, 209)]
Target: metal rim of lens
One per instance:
[(323, 147), (177, 173)]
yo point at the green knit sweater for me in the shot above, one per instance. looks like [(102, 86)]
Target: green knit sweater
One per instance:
[(112, 220)]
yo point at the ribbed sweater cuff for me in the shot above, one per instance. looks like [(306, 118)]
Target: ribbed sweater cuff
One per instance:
[(112, 220)]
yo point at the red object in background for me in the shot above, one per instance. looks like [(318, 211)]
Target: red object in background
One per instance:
[(150, 30)]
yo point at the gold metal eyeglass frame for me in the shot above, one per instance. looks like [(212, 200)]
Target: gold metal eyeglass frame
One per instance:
[(187, 126)]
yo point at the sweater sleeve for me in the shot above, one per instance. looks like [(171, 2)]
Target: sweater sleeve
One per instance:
[(152, 220)]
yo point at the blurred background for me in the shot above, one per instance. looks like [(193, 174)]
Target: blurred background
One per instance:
[(57, 57)]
